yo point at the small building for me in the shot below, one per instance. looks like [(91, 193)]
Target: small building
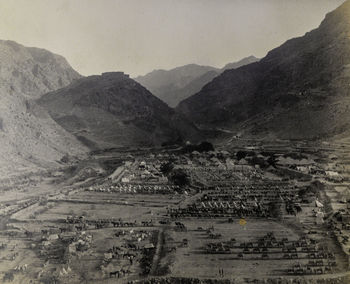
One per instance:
[(52, 237), (125, 180), (149, 246)]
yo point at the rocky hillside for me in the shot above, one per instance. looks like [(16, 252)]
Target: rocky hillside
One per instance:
[(29, 138), (175, 85), (113, 110), (299, 90), (32, 71)]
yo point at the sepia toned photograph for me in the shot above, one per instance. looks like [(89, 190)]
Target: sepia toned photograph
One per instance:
[(175, 141)]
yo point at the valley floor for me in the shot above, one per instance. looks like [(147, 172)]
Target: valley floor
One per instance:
[(263, 213)]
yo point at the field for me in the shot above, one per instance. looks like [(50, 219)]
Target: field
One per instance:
[(135, 222)]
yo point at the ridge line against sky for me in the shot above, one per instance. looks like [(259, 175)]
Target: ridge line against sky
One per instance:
[(138, 36)]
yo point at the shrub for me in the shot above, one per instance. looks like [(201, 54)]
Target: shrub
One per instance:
[(8, 277)]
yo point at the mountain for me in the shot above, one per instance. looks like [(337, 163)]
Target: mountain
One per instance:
[(166, 84), (113, 110), (29, 138), (172, 98), (299, 90), (32, 71), (242, 62), (175, 85)]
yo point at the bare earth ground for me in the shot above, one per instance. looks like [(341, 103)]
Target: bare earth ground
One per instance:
[(46, 204)]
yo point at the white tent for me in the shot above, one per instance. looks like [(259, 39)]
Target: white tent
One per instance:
[(318, 204)]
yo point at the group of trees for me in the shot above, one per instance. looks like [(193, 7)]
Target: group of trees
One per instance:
[(254, 159), (177, 176), (201, 147)]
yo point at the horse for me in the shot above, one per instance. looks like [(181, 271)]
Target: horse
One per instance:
[(114, 273)]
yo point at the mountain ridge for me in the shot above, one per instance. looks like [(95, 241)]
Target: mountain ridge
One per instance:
[(296, 91), (34, 71), (30, 139), (176, 84), (111, 110)]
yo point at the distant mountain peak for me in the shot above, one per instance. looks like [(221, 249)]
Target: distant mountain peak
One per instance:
[(177, 84), (244, 61)]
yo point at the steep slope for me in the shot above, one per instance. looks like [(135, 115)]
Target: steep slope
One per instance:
[(299, 90), (114, 110), (172, 98), (29, 138), (32, 71), (175, 85)]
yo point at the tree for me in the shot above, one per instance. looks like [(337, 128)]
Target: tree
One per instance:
[(167, 168), (202, 147), (274, 209), (241, 155), (179, 177), (205, 147)]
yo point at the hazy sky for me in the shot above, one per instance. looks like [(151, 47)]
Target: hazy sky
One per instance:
[(137, 36)]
